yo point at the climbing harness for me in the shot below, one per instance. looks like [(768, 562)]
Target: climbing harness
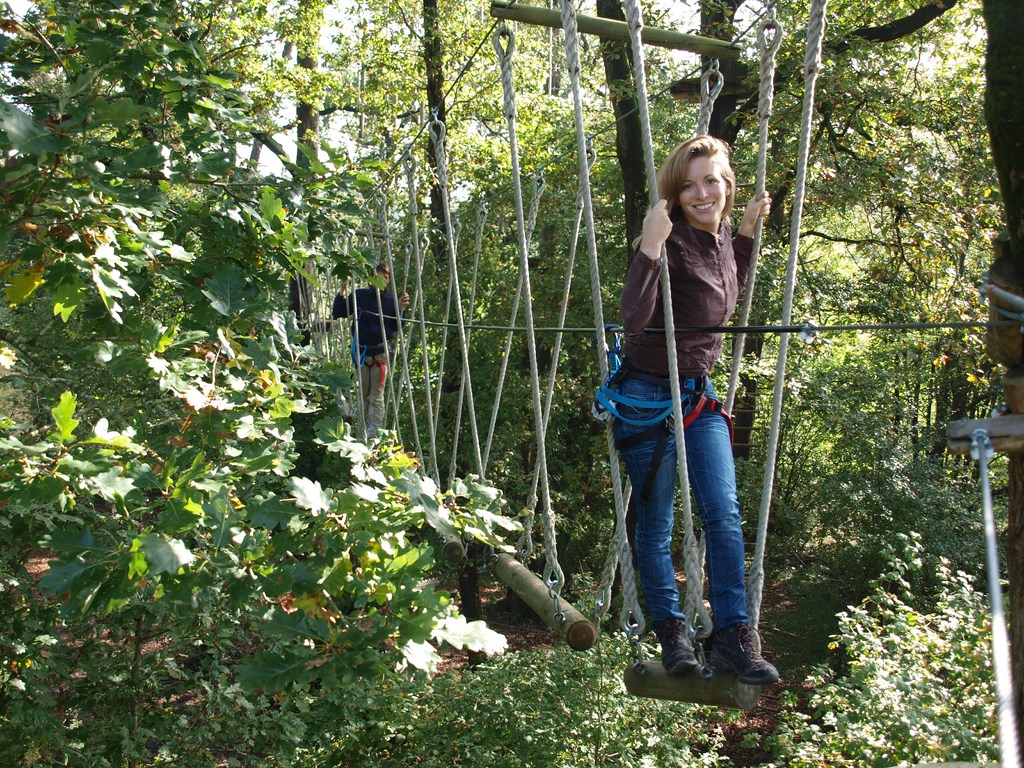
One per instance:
[(660, 425)]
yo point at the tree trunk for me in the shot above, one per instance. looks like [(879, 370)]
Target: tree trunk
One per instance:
[(307, 132), (1004, 110), (629, 147), (716, 21), (433, 59)]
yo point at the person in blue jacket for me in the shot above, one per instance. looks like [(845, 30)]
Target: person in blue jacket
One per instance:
[(375, 316)]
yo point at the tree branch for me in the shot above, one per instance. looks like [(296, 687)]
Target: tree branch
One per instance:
[(847, 240), (900, 28)]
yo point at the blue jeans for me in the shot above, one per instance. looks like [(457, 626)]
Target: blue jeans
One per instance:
[(712, 476)]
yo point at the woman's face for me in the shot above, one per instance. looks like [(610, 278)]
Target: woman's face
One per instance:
[(704, 194)]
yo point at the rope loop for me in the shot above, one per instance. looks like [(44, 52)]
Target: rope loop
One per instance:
[(710, 92), (504, 33), (708, 95), (591, 151), (539, 183), (437, 128), (634, 630), (770, 45)]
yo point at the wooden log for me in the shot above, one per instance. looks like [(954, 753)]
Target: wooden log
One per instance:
[(650, 680), (1005, 432), (569, 623), (612, 29), (1004, 344), (454, 550)]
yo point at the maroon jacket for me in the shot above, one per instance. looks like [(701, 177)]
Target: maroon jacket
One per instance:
[(707, 275)]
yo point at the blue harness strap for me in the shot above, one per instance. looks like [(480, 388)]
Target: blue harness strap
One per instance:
[(662, 432), (358, 353), (660, 425)]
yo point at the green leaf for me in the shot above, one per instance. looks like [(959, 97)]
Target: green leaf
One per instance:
[(118, 111), (315, 166), (271, 207), (475, 635), (147, 156), (226, 292), (112, 485), (23, 284), (421, 655), (165, 555), (69, 463), (64, 418), (293, 626), (218, 517), (271, 513), (179, 515), (272, 671), (71, 541), (67, 295), (62, 577), (23, 133), (309, 495), (423, 496)]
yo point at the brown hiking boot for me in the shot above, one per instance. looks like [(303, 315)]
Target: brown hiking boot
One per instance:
[(676, 649), (735, 649)]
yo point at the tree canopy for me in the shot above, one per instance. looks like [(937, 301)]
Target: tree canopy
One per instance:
[(182, 502)]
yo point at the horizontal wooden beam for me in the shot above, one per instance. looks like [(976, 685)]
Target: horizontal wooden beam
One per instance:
[(1005, 432), (650, 680), (612, 29)]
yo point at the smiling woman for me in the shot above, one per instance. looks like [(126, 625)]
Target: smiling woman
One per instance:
[(707, 268)]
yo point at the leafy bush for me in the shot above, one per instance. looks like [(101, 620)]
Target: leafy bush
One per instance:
[(546, 707), (917, 686)]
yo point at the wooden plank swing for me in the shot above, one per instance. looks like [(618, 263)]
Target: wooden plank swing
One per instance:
[(642, 678), (562, 617), (722, 689)]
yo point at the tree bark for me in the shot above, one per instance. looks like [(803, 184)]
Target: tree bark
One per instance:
[(433, 59), (618, 70), (1004, 111)]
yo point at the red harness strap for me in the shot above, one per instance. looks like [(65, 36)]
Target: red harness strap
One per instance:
[(715, 406), (662, 432), (383, 365)]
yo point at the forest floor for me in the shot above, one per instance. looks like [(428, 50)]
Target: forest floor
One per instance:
[(794, 636)]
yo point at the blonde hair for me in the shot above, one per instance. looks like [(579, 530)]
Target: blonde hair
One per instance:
[(672, 173)]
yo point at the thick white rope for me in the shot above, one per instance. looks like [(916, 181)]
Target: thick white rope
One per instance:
[(481, 218), (553, 572), (399, 351), (437, 130), (417, 253), (1009, 740), (697, 615), (812, 64), (632, 617), (538, 190), (453, 277), (556, 350), (711, 83), (769, 47)]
